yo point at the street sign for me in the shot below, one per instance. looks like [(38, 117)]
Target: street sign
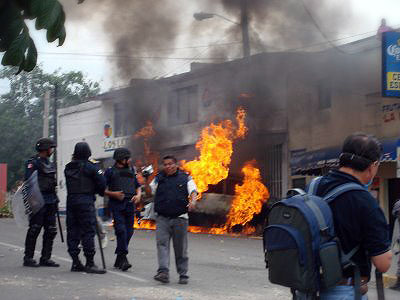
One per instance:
[(391, 64)]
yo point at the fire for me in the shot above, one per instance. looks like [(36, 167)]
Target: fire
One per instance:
[(240, 119), (145, 224), (216, 147), (146, 133), (249, 197)]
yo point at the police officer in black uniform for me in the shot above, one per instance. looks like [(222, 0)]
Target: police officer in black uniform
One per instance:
[(84, 180), (124, 191), (46, 216)]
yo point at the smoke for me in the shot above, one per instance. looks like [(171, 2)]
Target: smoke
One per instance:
[(142, 32)]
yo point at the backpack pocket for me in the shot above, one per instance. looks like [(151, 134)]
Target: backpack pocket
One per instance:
[(287, 257), (331, 268)]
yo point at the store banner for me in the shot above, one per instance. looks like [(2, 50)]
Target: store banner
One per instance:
[(391, 64)]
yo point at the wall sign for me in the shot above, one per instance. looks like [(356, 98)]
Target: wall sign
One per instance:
[(391, 64)]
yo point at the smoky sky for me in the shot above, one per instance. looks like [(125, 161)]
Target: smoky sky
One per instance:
[(142, 30)]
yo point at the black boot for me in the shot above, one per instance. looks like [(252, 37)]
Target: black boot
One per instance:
[(92, 268), (125, 265), (396, 286), (77, 265), (118, 261), (30, 262), (48, 263)]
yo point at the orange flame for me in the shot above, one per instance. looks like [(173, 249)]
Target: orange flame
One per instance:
[(146, 133), (145, 224), (249, 197), (215, 146)]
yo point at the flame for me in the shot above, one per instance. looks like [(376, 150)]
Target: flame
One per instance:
[(146, 133), (240, 119), (215, 146), (249, 197), (145, 224)]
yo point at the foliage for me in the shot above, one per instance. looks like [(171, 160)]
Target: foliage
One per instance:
[(15, 40), (21, 111), (5, 211)]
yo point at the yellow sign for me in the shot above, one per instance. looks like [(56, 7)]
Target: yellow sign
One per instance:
[(393, 81)]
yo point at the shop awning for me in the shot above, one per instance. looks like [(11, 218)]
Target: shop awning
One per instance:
[(317, 162)]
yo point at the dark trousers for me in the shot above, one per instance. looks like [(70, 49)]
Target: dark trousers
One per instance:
[(175, 229), (123, 216), (81, 228), (46, 218)]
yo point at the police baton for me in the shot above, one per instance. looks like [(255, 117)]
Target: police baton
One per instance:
[(59, 221), (101, 248), (379, 285)]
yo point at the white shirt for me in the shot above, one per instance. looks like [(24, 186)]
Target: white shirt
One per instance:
[(191, 187)]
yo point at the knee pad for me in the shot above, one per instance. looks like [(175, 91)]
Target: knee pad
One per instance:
[(34, 230), (51, 232)]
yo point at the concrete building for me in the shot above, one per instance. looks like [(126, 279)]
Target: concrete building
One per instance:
[(334, 94), (300, 106)]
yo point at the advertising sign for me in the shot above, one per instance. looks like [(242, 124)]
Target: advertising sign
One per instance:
[(391, 64)]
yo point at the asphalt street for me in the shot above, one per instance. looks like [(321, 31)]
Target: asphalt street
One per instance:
[(220, 267)]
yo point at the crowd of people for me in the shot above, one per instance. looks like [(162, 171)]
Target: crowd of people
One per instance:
[(359, 222)]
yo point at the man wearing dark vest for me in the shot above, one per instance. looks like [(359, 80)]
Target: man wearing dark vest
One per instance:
[(124, 191), (83, 180), (175, 194), (46, 216)]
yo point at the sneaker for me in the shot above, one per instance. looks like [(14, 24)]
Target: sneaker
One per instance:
[(162, 277), (30, 262), (183, 279), (48, 263)]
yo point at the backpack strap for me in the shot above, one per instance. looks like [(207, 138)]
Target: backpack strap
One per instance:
[(312, 188), (336, 192)]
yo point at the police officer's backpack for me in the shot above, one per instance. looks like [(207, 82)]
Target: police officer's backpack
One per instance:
[(301, 247)]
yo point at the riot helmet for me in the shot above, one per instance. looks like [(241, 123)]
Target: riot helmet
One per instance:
[(44, 144), (121, 154), (82, 151)]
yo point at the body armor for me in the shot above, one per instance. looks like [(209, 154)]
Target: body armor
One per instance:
[(123, 180), (78, 179), (46, 175)]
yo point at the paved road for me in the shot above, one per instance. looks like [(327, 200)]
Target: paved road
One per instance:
[(221, 267)]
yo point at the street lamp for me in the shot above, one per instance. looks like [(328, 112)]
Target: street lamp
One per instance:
[(244, 24)]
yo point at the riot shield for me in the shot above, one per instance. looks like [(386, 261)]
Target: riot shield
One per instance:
[(27, 201)]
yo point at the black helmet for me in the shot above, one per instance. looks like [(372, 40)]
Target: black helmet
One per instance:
[(121, 153), (44, 144), (82, 151)]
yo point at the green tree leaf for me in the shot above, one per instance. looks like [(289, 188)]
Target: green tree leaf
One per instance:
[(14, 56)]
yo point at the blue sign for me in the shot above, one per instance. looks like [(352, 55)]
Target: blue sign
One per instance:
[(391, 64)]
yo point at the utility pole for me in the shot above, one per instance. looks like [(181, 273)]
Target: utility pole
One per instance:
[(245, 28), (55, 121), (46, 102)]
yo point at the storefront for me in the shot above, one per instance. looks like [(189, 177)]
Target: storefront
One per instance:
[(304, 165)]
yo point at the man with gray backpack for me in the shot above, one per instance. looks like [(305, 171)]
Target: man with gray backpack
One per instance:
[(321, 244)]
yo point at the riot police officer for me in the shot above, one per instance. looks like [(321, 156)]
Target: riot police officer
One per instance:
[(124, 191), (83, 180), (46, 216)]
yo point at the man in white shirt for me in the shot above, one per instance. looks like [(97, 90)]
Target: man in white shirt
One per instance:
[(174, 195)]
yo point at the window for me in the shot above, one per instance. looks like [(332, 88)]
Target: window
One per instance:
[(274, 170), (182, 106), (299, 183), (120, 120), (324, 95)]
